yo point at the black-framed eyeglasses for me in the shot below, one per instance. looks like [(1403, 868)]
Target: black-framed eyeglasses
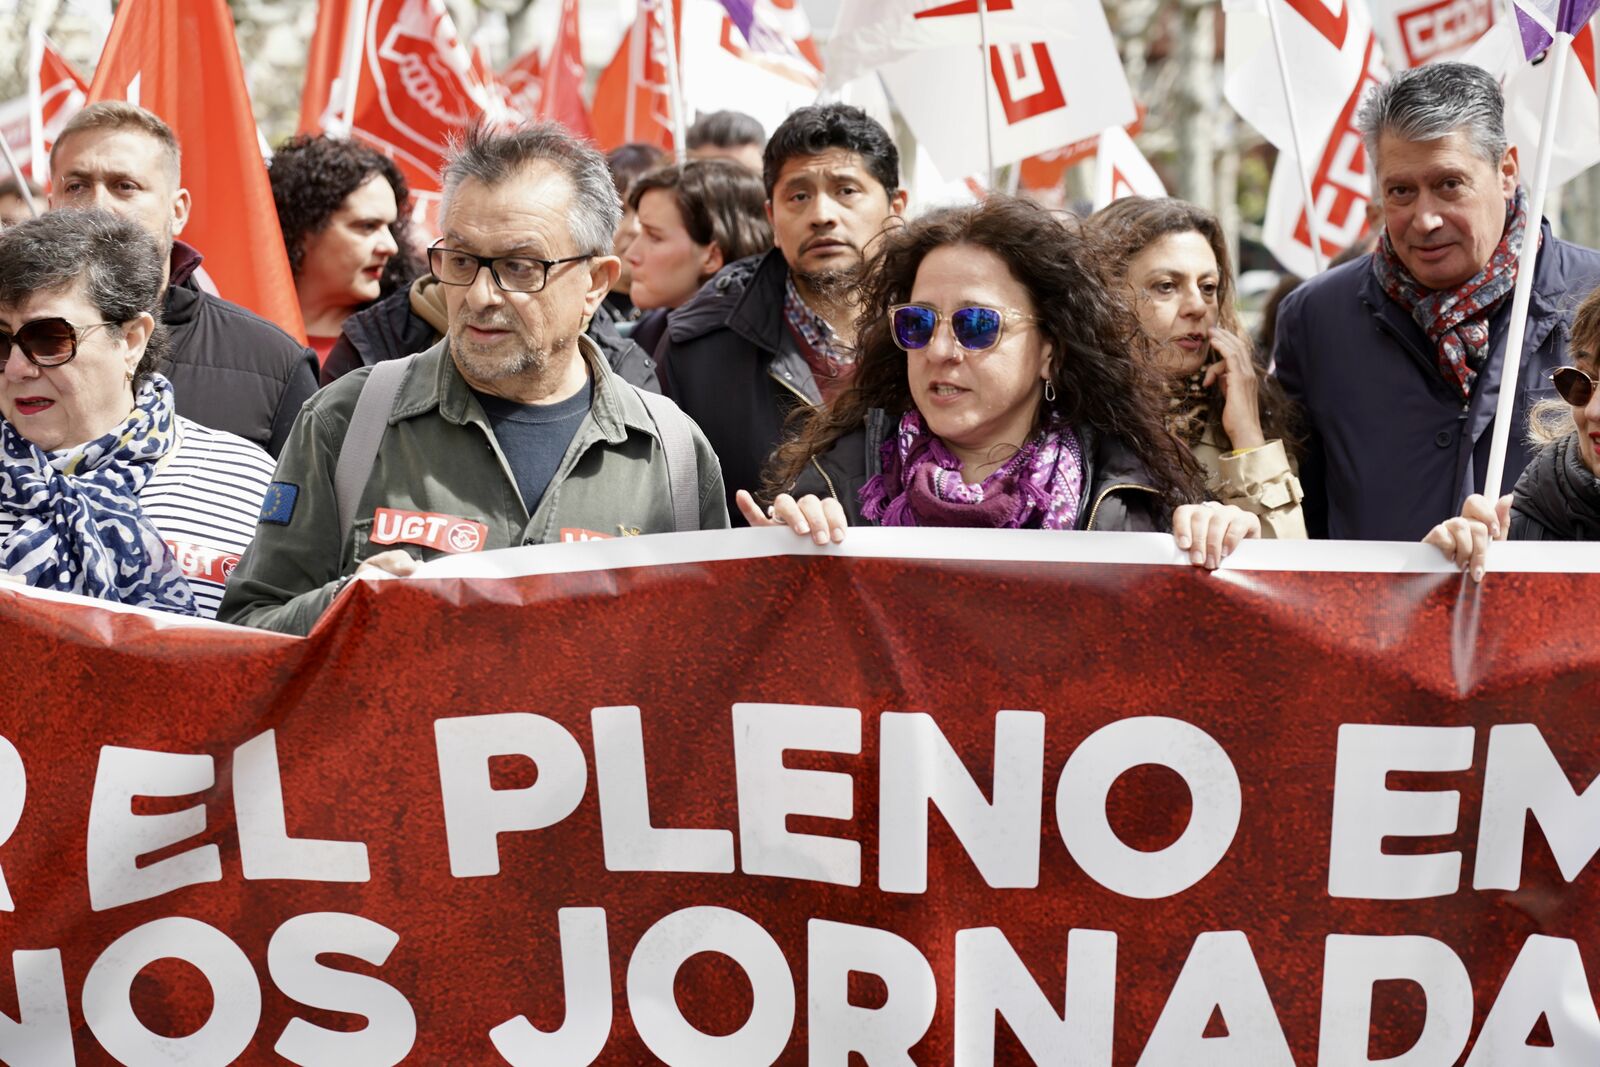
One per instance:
[(514, 274), (46, 342), (976, 328), (1575, 387)]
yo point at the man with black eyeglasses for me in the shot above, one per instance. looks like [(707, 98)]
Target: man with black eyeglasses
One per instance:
[(512, 430)]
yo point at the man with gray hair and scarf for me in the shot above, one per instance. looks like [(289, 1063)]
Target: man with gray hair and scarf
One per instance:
[(512, 430), (1396, 357)]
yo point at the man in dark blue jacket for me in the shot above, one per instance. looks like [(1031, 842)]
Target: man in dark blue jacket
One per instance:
[(1396, 357)]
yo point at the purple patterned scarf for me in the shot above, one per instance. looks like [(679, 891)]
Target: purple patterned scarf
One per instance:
[(1457, 320), (920, 483)]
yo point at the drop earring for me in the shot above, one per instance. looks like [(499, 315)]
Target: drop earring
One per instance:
[(1049, 392)]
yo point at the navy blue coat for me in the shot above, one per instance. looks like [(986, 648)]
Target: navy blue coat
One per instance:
[(1392, 450)]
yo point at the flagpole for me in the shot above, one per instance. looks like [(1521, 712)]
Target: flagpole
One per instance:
[(350, 67), (680, 134), (1312, 222), (1506, 407), (983, 77), (636, 52), (22, 181), (35, 104)]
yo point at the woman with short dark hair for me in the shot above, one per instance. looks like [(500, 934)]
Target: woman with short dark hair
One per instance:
[(344, 211), (996, 387), (104, 489), (694, 219)]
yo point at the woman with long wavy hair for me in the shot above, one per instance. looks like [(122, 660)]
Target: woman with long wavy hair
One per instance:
[(995, 387), (1172, 260)]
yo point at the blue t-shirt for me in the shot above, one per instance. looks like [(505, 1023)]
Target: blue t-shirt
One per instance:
[(534, 437)]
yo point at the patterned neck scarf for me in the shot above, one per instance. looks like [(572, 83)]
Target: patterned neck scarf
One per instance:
[(920, 483), (1457, 320), (79, 526), (817, 333), (1188, 407)]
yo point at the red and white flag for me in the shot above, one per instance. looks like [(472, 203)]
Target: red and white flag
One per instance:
[(871, 34), (1041, 94), (521, 81), (1121, 170), (325, 62), (561, 98), (1414, 32), (1333, 58), (55, 94), (633, 101), (417, 88), (723, 67), (181, 61)]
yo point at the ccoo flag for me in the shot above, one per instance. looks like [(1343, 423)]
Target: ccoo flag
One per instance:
[(181, 61), (1540, 20)]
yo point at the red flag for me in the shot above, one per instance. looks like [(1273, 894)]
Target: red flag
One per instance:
[(55, 94), (323, 64), (417, 89), (521, 83), (632, 101), (562, 98), (179, 59)]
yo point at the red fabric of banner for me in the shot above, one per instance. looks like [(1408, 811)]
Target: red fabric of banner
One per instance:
[(1278, 670)]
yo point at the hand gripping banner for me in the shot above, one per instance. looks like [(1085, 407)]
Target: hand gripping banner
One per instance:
[(967, 798)]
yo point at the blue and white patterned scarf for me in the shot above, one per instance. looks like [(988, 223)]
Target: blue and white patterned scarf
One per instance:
[(79, 525)]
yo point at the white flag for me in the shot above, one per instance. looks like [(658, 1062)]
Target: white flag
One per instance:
[(1414, 32), (1333, 60), (1525, 85), (874, 33), (1041, 95), (719, 68), (1121, 170)]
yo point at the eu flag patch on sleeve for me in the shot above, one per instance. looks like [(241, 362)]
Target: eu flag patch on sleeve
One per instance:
[(277, 507)]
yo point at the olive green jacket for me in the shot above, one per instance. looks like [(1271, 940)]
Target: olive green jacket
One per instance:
[(439, 456)]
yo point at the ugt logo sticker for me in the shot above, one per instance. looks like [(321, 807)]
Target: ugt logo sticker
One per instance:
[(442, 533)]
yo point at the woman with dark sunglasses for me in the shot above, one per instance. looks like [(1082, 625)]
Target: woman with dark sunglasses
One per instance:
[(995, 387), (104, 489), (1173, 259), (1558, 496)]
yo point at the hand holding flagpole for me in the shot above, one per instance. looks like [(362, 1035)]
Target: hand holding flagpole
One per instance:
[(1552, 23)]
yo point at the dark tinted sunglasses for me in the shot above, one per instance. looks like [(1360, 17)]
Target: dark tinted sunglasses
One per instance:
[(1575, 387), (45, 342), (976, 328)]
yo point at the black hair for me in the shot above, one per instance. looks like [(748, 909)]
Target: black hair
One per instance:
[(311, 176), (725, 129), (813, 130)]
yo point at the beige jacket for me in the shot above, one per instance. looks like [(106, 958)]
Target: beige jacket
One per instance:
[(1264, 481)]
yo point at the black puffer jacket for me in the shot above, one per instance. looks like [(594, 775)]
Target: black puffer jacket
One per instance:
[(393, 327), (1121, 495), (230, 368), (733, 366), (1557, 498)]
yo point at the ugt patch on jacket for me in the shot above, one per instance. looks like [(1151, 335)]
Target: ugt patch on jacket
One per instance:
[(277, 507)]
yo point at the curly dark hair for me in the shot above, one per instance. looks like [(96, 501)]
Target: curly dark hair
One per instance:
[(1130, 225), (311, 176), (1101, 382)]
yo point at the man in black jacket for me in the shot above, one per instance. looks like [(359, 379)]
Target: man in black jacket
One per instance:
[(776, 331), (230, 369)]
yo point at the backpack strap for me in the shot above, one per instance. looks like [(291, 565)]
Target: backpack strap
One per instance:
[(676, 434), (368, 424)]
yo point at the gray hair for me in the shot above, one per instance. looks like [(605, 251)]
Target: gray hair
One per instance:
[(1427, 103), (492, 157), (118, 262)]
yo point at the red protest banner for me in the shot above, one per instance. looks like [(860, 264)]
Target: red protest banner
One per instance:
[(685, 810)]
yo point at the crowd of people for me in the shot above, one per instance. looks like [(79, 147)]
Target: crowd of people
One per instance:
[(601, 346)]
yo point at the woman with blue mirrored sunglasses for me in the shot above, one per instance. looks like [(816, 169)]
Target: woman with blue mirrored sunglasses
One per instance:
[(995, 388)]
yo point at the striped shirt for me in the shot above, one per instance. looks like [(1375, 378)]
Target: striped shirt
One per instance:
[(204, 501)]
